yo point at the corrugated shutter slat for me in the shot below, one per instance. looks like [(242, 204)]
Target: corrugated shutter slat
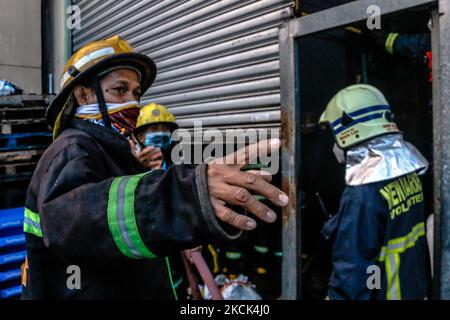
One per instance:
[(217, 61)]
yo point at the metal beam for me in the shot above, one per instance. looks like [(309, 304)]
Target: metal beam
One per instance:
[(348, 13), (290, 164), (441, 122), (56, 43)]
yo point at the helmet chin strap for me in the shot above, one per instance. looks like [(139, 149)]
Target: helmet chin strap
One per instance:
[(101, 103)]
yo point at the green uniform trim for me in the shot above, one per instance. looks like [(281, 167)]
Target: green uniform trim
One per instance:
[(113, 221), (122, 219), (32, 223), (130, 217)]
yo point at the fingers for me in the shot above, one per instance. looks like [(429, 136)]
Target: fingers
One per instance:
[(241, 197), (259, 185), (267, 176), (230, 217), (151, 153), (156, 164), (250, 153)]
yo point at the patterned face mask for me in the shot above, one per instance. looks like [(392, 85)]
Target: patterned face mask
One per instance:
[(125, 120), (123, 116)]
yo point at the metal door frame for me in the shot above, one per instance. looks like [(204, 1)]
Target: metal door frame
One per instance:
[(290, 125)]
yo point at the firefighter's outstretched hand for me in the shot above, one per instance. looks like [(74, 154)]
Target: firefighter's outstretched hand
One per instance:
[(229, 185)]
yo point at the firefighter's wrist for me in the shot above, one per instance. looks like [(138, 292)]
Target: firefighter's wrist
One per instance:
[(217, 228)]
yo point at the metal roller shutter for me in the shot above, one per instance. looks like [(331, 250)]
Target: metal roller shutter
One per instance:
[(217, 60)]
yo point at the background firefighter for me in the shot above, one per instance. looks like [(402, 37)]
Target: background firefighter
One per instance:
[(380, 222), (152, 139), (92, 204)]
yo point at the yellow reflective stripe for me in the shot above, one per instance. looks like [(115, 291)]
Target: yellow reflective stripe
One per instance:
[(416, 229), (401, 244), (390, 42), (387, 264), (215, 258), (392, 264), (397, 277)]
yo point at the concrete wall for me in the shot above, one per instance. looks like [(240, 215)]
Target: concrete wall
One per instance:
[(20, 43)]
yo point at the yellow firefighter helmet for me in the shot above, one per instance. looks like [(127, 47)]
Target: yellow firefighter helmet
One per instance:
[(358, 113), (153, 114), (94, 59)]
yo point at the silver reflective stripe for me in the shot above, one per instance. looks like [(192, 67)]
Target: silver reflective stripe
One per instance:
[(30, 222), (396, 246), (393, 291), (391, 270), (86, 59), (121, 217)]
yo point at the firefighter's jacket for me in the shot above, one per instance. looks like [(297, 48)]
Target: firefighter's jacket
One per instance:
[(414, 46), (98, 226), (380, 250)]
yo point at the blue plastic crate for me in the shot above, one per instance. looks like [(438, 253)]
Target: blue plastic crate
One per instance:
[(10, 292), (12, 257), (11, 218), (25, 141), (11, 241), (10, 275)]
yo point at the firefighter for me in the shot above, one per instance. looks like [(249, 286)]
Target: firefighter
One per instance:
[(414, 46), (152, 138), (379, 250), (151, 142), (97, 223)]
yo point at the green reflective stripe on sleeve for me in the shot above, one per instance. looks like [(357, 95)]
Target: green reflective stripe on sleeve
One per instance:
[(32, 223), (113, 220), (130, 218), (32, 229), (170, 278), (32, 215), (122, 219)]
